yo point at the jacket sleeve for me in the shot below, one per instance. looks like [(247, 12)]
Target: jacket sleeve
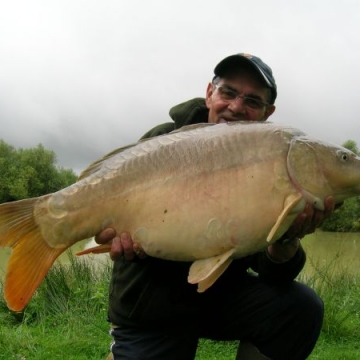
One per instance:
[(159, 130), (190, 112), (272, 272)]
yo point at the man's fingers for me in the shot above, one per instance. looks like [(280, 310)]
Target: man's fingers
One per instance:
[(105, 236), (329, 206), (316, 217), (310, 219), (295, 228), (120, 245), (116, 248), (319, 216), (309, 211), (317, 220), (127, 245), (302, 223)]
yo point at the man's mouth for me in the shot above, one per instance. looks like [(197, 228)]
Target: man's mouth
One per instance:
[(223, 119)]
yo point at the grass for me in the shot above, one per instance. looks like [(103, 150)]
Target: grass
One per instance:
[(66, 318)]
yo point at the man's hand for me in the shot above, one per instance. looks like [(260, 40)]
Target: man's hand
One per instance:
[(310, 219), (121, 245), (304, 224)]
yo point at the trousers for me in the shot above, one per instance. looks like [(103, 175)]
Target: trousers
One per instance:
[(282, 320)]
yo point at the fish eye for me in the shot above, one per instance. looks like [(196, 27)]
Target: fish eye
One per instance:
[(343, 156)]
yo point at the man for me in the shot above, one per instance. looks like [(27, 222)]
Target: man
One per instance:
[(155, 314)]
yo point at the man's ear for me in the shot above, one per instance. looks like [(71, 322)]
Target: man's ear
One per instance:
[(209, 92)]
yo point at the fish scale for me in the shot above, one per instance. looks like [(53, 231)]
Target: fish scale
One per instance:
[(207, 193)]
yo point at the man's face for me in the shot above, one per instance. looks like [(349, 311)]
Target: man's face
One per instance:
[(221, 109)]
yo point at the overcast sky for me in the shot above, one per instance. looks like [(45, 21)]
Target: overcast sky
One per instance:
[(83, 77)]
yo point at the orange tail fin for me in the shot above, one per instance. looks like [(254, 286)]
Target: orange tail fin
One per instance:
[(31, 256)]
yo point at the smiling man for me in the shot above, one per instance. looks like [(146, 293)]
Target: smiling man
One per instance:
[(237, 91), (156, 314)]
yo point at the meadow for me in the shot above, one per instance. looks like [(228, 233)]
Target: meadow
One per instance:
[(66, 319)]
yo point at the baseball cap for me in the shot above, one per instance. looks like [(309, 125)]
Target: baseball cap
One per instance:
[(238, 60)]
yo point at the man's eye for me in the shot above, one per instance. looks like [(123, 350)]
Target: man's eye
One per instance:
[(253, 103), (228, 93)]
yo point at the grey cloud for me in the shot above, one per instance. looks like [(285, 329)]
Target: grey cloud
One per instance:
[(85, 77)]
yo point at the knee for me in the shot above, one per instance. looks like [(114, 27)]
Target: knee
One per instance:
[(308, 300), (306, 307), (298, 324)]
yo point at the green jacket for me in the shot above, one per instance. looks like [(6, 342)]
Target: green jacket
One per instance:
[(189, 112), (154, 292)]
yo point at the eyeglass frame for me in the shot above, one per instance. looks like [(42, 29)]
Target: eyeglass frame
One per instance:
[(244, 98)]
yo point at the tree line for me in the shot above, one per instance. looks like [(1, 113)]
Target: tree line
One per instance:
[(33, 172)]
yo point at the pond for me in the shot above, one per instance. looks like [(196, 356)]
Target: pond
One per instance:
[(340, 250), (5, 253)]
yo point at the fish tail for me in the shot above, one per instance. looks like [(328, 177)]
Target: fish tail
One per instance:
[(31, 256)]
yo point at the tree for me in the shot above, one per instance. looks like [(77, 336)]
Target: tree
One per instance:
[(30, 172), (346, 218), (351, 145)]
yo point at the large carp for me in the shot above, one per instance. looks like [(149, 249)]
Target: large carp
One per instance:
[(206, 194)]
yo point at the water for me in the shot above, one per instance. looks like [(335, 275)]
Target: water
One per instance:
[(322, 248), (338, 250), (63, 258)]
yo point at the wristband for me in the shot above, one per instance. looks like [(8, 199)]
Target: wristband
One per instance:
[(284, 240)]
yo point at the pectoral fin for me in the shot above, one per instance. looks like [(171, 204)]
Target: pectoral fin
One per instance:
[(289, 204), (205, 272)]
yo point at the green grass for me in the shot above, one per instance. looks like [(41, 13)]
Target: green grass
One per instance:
[(66, 319)]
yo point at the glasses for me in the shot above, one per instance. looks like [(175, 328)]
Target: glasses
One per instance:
[(229, 94)]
